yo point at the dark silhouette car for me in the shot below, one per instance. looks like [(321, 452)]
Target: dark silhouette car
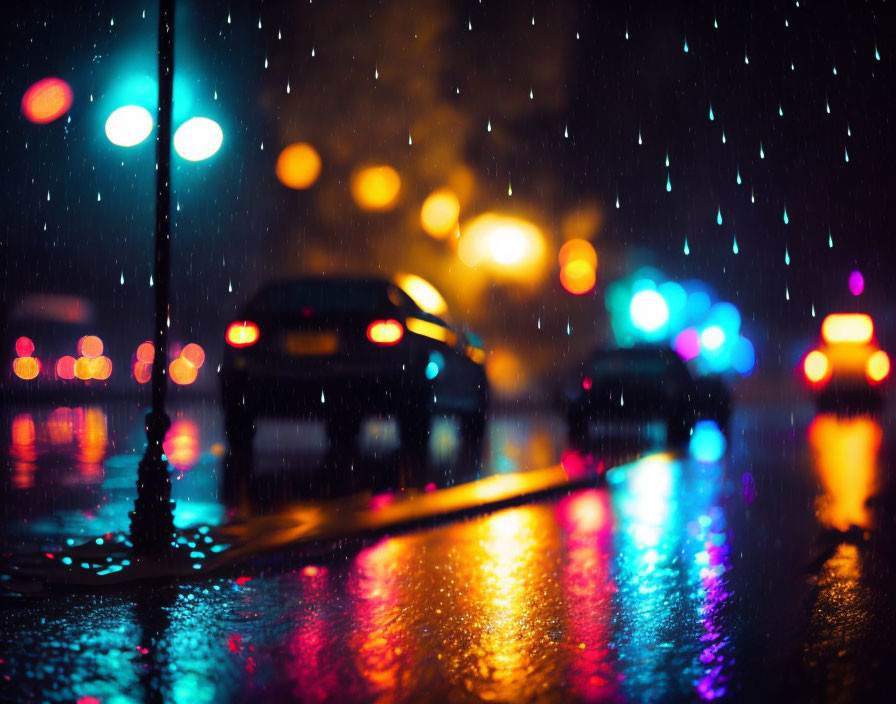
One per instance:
[(641, 384), (341, 349)]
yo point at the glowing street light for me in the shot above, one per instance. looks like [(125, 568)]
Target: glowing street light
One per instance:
[(509, 246), (129, 125), (648, 310), (198, 139)]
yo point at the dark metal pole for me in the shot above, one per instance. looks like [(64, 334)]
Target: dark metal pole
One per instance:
[(152, 520)]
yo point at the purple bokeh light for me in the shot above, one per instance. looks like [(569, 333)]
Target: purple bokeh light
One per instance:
[(687, 344), (856, 283)]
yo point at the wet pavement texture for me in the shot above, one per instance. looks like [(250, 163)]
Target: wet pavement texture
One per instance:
[(752, 565)]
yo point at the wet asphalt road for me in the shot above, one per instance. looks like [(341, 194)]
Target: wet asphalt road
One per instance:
[(767, 573)]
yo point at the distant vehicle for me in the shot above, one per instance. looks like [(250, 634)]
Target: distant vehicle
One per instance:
[(640, 384), (847, 370), (340, 349)]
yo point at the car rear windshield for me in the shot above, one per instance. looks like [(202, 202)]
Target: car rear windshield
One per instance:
[(334, 296)]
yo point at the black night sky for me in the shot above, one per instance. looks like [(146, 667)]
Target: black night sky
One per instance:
[(614, 88)]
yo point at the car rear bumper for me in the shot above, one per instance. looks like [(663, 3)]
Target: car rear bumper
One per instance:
[(325, 394)]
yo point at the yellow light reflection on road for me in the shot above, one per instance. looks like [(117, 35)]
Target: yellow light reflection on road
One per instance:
[(93, 437), (845, 458), (23, 451)]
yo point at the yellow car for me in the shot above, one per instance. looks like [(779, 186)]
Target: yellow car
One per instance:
[(848, 369)]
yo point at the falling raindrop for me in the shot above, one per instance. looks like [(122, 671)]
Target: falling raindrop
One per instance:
[(121, 280), (488, 127), (112, 22), (470, 25), (228, 17), (715, 22), (734, 247), (626, 31), (568, 327), (786, 293), (150, 281), (262, 146), (259, 22), (621, 398), (230, 286), (539, 322), (813, 309), (687, 250), (786, 218), (640, 141), (830, 239), (761, 150), (144, 14), (786, 22), (509, 189), (780, 110), (566, 132), (279, 34), (533, 20), (265, 61), (792, 67), (876, 53), (376, 72), (410, 139), (98, 197), (668, 183), (711, 116), (752, 195), (848, 130), (577, 35), (216, 95), (617, 200), (667, 158), (845, 155), (685, 45), (312, 52), (835, 70), (827, 106), (48, 195), (738, 176), (746, 58), (287, 86), (786, 256), (45, 227), (322, 397), (719, 216), (168, 322), (723, 137), (531, 95)]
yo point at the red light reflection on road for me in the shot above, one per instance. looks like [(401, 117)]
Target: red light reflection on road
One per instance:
[(587, 519), (182, 445), (23, 451)]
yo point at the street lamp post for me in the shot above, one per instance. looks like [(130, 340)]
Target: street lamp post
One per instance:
[(152, 520)]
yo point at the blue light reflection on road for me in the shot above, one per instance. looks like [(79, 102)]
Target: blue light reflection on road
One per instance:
[(672, 555)]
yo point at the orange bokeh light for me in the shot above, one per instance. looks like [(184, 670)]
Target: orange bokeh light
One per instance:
[(65, 367), (47, 100), (26, 367), (578, 277), (100, 368), (878, 367), (298, 166), (142, 372), (376, 187), (182, 372), (439, 213), (193, 354), (83, 369), (146, 352), (816, 366), (577, 250), (90, 346), (242, 334)]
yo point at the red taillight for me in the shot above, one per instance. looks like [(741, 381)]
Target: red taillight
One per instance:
[(385, 332), (242, 334)]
